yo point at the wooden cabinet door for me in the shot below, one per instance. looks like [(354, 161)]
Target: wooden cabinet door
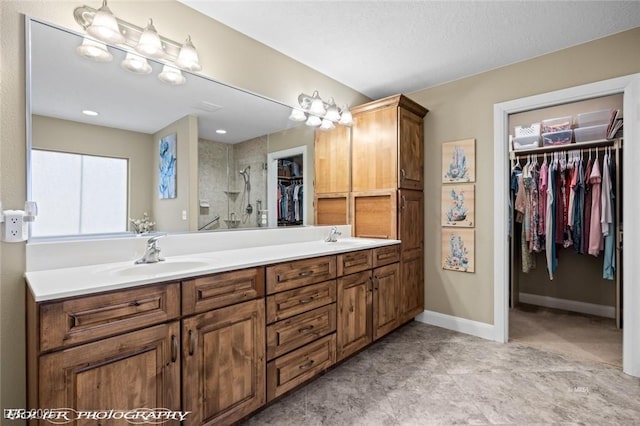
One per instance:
[(411, 232), (332, 160), (410, 150), (386, 298), (354, 313), (411, 286), (374, 214), (224, 364), (374, 149), (140, 369), (411, 220)]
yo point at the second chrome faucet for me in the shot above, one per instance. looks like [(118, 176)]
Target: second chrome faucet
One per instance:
[(333, 235), (152, 252)]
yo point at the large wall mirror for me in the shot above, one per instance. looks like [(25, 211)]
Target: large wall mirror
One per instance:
[(101, 174)]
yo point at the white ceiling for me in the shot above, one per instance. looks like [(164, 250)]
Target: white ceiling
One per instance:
[(380, 48)]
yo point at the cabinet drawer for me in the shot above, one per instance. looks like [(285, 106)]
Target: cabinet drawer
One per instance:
[(73, 321), (216, 291), (386, 255), (286, 276), (355, 261), (288, 371), (293, 302), (284, 336)]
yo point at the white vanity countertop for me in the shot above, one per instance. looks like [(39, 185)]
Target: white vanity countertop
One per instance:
[(68, 282)]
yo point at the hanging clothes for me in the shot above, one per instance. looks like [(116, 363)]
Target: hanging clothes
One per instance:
[(550, 228), (595, 228), (586, 222), (607, 221)]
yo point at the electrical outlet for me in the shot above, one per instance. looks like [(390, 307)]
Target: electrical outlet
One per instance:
[(14, 228)]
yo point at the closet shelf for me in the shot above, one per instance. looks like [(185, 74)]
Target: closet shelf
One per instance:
[(567, 147)]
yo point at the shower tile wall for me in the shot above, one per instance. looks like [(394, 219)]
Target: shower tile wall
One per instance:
[(212, 182), (251, 153)]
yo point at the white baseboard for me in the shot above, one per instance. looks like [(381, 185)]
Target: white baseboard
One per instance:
[(462, 325), (569, 305)]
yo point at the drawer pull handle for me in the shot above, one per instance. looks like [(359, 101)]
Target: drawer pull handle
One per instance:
[(305, 329), (306, 365), (404, 202), (192, 342), (307, 300), (403, 174), (376, 282), (174, 348), (386, 255), (305, 273)]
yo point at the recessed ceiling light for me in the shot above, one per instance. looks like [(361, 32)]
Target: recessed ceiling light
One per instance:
[(89, 112), (221, 131)]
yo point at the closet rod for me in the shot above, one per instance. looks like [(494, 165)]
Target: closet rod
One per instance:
[(584, 146)]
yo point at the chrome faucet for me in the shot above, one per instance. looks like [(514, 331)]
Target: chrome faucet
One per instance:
[(333, 233), (152, 253)]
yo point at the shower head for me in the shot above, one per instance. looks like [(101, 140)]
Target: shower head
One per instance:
[(245, 172)]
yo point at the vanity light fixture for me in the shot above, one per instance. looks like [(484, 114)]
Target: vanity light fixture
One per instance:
[(221, 131), (149, 43), (103, 25), (171, 75), (94, 50), (136, 64), (315, 112), (188, 57), (89, 112)]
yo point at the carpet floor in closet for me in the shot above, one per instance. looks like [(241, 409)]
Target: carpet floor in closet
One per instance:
[(426, 375)]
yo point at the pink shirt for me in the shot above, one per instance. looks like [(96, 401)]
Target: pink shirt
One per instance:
[(596, 242)]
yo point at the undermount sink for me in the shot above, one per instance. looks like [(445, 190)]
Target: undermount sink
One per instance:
[(159, 267)]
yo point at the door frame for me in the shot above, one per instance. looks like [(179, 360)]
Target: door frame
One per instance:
[(272, 182), (629, 86)]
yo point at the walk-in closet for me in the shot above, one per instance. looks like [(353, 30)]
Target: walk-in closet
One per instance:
[(566, 224), (290, 204)]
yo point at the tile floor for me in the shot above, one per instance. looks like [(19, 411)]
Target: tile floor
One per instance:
[(425, 375)]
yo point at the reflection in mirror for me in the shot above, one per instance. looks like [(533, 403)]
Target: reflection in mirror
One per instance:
[(133, 113)]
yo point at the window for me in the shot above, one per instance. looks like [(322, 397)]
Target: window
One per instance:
[(78, 194)]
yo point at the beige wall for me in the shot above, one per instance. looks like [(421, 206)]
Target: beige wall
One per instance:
[(464, 109), (168, 213), (258, 69), (70, 136)]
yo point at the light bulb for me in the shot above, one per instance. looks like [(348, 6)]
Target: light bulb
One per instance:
[(313, 121), (188, 57), (136, 64), (171, 75), (346, 119), (94, 50), (317, 106), (104, 26), (297, 115), (327, 125), (150, 44), (333, 113)]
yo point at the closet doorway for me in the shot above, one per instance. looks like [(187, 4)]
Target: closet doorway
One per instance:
[(286, 187), (575, 309), (629, 88)]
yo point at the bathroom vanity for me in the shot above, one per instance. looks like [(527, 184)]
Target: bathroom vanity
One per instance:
[(208, 333)]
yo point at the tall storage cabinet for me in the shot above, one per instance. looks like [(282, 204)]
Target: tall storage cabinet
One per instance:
[(332, 183), (388, 179)]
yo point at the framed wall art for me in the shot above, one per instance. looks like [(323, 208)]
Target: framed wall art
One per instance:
[(458, 249), (167, 166), (459, 161), (458, 205)]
